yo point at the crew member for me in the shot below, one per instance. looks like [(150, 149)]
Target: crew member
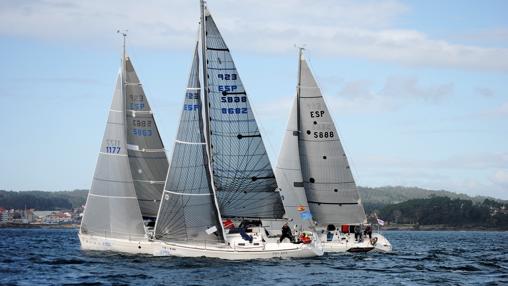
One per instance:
[(286, 233)]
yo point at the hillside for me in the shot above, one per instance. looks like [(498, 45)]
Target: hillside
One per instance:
[(42, 200), (377, 198), (449, 212), (372, 198)]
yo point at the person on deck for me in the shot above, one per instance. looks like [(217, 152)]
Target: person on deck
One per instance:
[(358, 233), (368, 231), (286, 233)]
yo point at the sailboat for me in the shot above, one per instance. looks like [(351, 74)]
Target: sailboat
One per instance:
[(220, 168), (314, 177), (130, 173)]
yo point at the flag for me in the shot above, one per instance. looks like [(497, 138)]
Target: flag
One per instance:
[(211, 230), (305, 215), (380, 222)]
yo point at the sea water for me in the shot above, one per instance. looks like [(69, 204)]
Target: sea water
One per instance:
[(53, 257)]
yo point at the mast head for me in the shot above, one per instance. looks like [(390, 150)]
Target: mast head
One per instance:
[(124, 35), (300, 48)]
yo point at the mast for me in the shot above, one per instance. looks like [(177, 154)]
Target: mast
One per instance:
[(298, 87), (206, 117), (124, 77)]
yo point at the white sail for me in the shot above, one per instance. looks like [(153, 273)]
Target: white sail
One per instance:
[(243, 175), (112, 208), (330, 188), (289, 176), (147, 156), (188, 210)]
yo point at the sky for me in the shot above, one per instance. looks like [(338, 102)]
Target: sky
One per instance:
[(418, 89)]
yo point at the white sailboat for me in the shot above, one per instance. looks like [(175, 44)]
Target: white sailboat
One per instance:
[(129, 176), (315, 181), (220, 168)]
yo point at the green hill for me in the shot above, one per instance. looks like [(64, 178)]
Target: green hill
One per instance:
[(41, 200)]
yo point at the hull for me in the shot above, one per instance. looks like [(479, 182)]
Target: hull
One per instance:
[(267, 251), (346, 243), (382, 244), (98, 243), (235, 251)]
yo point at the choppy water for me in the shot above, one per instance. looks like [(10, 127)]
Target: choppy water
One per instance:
[(52, 256)]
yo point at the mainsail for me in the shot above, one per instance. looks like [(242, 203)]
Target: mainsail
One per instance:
[(188, 209), (147, 157), (330, 188), (243, 176), (112, 208)]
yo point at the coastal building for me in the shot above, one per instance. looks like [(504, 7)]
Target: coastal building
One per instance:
[(4, 215)]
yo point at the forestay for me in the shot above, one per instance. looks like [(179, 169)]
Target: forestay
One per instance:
[(112, 208), (147, 157), (331, 190), (244, 178), (188, 209)]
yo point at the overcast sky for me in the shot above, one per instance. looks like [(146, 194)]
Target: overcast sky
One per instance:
[(418, 89)]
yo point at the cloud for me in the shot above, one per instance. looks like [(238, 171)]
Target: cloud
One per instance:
[(484, 91), (344, 28), (409, 87), (360, 96), (499, 111), (501, 178), (480, 174)]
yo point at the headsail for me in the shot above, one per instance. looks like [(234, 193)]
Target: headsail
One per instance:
[(112, 208), (188, 209), (244, 178), (331, 190), (289, 176), (147, 157)]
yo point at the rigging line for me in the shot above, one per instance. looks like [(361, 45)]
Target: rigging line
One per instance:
[(115, 197)]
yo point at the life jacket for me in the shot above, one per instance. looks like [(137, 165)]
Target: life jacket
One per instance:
[(305, 239), (228, 224)]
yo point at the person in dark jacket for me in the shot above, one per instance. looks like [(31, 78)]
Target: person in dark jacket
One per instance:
[(358, 233), (368, 231), (286, 233)]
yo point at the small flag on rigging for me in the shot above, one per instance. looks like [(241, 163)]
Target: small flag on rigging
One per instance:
[(211, 230), (380, 222)]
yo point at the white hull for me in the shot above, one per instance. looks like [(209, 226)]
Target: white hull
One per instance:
[(142, 246), (347, 243), (247, 251), (267, 251)]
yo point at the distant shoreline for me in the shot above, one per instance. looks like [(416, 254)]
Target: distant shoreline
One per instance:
[(29, 225)]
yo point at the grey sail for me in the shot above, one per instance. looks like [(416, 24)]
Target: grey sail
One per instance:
[(243, 176), (147, 158), (289, 176), (331, 190), (188, 209), (112, 208)]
